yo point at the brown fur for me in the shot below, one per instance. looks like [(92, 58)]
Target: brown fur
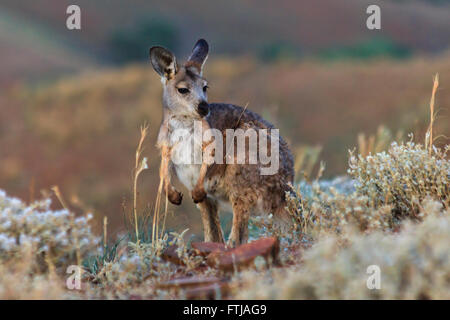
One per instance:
[(240, 185)]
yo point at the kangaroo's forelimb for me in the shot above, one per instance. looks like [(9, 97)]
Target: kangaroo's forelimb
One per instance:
[(173, 195)]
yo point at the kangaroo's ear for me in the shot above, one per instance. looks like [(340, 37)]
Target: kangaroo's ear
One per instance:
[(164, 62), (199, 55)]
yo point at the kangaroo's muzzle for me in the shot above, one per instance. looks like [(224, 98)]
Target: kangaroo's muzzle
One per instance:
[(203, 108)]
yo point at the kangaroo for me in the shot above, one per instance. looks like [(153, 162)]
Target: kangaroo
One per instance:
[(219, 185)]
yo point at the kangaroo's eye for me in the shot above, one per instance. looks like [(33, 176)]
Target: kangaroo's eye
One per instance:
[(183, 90), (205, 88)]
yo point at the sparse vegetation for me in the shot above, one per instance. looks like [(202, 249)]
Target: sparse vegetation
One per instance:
[(415, 264), (384, 202), (388, 188), (339, 232), (86, 141), (49, 233), (391, 211)]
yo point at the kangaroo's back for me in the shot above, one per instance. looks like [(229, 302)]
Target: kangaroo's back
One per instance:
[(225, 116)]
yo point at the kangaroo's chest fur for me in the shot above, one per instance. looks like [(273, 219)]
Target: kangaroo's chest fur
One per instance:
[(186, 150)]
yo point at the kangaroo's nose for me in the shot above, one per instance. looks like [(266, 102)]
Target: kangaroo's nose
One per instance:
[(203, 108)]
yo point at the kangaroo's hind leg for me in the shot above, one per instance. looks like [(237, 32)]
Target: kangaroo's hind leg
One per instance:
[(239, 229), (211, 222)]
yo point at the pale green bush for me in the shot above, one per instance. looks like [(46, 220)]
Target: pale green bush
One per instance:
[(389, 187), (50, 233), (402, 177), (414, 263)]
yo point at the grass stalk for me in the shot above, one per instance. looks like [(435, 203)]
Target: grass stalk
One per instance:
[(105, 232), (58, 195), (432, 113), (140, 165)]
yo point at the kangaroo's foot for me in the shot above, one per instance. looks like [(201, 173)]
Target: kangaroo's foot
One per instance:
[(198, 195), (175, 197)]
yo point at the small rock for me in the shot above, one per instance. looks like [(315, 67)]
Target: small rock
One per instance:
[(205, 248), (244, 255), (170, 254)]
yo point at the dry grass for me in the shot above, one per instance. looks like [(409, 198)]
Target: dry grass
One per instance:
[(378, 142), (429, 142), (306, 158), (337, 236), (414, 264), (392, 210), (80, 132), (141, 165), (389, 187)]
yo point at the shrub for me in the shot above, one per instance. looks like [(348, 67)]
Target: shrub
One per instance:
[(331, 211), (388, 187), (402, 177), (50, 234), (414, 264)]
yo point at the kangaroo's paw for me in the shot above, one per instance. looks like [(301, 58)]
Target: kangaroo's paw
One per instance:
[(198, 195), (231, 243), (175, 197)]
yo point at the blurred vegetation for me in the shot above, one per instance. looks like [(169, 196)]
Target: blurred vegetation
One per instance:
[(368, 49), (132, 44), (278, 50)]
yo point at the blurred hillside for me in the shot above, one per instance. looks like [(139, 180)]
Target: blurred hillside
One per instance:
[(71, 102), (31, 51), (116, 33)]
